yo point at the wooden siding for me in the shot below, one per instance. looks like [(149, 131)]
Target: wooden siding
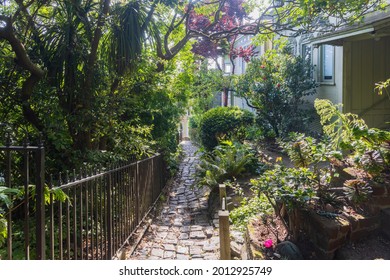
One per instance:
[(367, 62)]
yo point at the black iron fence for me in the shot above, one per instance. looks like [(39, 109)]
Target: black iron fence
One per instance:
[(83, 215), (30, 205)]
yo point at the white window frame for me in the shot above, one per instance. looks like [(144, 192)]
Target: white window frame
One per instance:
[(329, 79)]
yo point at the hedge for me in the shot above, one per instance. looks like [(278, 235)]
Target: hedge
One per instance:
[(223, 121)]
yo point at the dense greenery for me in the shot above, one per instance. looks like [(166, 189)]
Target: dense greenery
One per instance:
[(6, 200), (88, 82), (350, 155), (67, 63), (103, 80)]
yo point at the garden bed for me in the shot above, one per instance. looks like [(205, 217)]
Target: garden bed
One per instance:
[(345, 235), (324, 238)]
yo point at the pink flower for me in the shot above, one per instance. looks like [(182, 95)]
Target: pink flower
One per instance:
[(268, 243), (262, 66)]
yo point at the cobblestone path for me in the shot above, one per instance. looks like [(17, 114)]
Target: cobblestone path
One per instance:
[(182, 229)]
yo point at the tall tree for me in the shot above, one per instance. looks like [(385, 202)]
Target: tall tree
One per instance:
[(59, 44)]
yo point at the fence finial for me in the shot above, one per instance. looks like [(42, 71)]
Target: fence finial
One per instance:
[(40, 140), (8, 141), (26, 142), (59, 178), (67, 178)]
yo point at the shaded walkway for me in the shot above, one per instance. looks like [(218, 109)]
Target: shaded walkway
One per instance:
[(182, 228)]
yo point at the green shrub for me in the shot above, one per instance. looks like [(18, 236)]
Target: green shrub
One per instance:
[(276, 86), (222, 122), (249, 209)]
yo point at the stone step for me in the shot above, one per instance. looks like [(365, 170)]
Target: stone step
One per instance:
[(385, 222)]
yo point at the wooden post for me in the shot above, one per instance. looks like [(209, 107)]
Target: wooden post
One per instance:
[(224, 235), (222, 195)]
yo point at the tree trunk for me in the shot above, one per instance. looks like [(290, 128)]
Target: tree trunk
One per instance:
[(295, 224), (225, 96)]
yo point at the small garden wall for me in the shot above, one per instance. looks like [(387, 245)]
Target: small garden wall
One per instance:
[(329, 232), (380, 197)]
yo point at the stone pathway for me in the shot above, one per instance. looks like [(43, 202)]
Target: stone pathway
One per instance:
[(182, 230)]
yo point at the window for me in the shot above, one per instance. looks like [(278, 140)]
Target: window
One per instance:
[(326, 69)]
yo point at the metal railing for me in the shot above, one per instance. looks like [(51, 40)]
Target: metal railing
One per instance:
[(101, 209), (30, 207)]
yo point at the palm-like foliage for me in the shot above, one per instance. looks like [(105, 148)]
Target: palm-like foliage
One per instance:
[(123, 43)]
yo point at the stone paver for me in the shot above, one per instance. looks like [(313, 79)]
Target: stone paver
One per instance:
[(182, 230)]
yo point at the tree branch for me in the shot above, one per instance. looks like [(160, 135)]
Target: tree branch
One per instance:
[(23, 60), (149, 16)]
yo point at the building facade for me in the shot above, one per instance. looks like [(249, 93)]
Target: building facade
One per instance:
[(349, 63)]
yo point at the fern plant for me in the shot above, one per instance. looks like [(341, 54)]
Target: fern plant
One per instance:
[(226, 162), (305, 151), (6, 202)]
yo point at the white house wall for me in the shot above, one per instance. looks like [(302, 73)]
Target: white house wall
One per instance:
[(334, 91)]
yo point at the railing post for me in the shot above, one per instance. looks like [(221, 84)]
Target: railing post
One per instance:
[(8, 185), (153, 183), (109, 216), (26, 175), (161, 172), (40, 201), (51, 213), (137, 198)]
